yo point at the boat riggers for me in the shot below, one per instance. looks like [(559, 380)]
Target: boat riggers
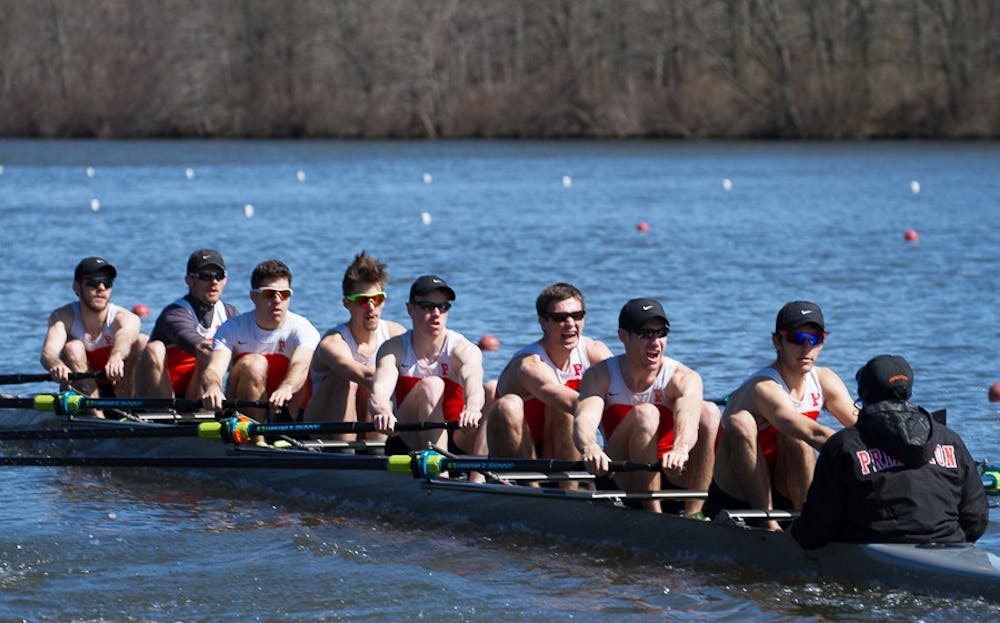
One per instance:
[(17, 379), (71, 403)]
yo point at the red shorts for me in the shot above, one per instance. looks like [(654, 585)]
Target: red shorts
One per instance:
[(767, 442), (534, 413), (97, 359), (453, 401), (277, 368), (180, 367), (614, 415)]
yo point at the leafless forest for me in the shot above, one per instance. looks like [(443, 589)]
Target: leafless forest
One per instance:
[(512, 68)]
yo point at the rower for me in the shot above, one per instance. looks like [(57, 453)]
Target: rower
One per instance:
[(270, 347), (430, 374), (174, 361), (765, 459), (897, 476), (538, 388), (93, 334), (650, 409), (343, 365)]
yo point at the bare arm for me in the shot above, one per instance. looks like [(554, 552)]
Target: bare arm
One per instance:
[(836, 397), (587, 418), (685, 388), (212, 393), (772, 403), (295, 377), (125, 328), (55, 340), (384, 383), (335, 356), (470, 361)]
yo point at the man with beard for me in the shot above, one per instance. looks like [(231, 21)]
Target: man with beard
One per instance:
[(174, 361), (343, 365), (93, 334), (270, 348), (650, 410), (538, 388), (766, 457)]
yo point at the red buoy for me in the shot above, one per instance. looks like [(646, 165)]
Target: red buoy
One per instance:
[(995, 392), (489, 342), (642, 226), (140, 310), (911, 235)]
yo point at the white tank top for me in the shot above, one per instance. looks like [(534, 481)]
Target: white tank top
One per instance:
[(104, 338)]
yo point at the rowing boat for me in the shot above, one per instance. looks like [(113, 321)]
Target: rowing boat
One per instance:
[(591, 517)]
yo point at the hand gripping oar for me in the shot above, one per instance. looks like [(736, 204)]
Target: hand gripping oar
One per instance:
[(70, 403), (17, 379)]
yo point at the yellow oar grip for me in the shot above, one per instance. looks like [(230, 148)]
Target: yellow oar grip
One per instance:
[(399, 463), (210, 430), (45, 402)]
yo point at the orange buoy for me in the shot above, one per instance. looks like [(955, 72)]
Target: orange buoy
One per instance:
[(994, 392), (642, 226), (911, 235), (140, 310), (489, 342)]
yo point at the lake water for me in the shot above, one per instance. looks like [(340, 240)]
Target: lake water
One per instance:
[(820, 221)]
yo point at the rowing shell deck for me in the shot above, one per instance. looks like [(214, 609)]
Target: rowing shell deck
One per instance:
[(579, 516)]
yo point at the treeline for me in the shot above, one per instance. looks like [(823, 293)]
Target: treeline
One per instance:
[(510, 68)]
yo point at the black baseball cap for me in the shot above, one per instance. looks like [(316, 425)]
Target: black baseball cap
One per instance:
[(205, 257), (637, 312), (798, 313), (91, 265), (430, 283), (886, 377)]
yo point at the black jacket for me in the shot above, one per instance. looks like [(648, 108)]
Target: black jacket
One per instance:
[(895, 477)]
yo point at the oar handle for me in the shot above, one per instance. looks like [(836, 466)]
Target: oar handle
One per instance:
[(429, 463), (237, 430), (17, 379)]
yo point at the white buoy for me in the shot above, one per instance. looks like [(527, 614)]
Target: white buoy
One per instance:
[(95, 205), (189, 173), (727, 184), (425, 218), (248, 210), (90, 171), (915, 187), (567, 181), (426, 177), (301, 176)]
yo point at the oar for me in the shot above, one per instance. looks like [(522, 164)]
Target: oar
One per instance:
[(70, 403), (238, 430), (991, 479), (424, 464), (17, 379)]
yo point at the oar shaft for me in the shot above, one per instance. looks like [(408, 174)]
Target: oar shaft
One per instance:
[(313, 428), (99, 433), (17, 379), (315, 461)]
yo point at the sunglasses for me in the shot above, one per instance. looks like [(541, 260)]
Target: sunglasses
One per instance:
[(650, 334), (269, 293), (363, 299), (209, 275), (93, 282), (804, 337), (562, 316), (428, 306)]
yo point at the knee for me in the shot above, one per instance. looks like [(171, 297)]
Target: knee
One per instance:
[(741, 426), (647, 419), (74, 352), (508, 410), (710, 417), (251, 366), (429, 389), (155, 353)]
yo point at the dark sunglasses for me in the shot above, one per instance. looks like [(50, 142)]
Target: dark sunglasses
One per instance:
[(562, 316), (209, 275), (428, 306), (804, 337), (375, 298), (649, 334), (93, 282)]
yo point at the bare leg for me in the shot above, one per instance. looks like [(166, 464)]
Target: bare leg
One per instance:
[(635, 439), (333, 401), (423, 404), (248, 381), (793, 471), (740, 468), (558, 441), (507, 431), (698, 475), (151, 378)]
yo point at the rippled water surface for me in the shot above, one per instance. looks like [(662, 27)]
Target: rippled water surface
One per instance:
[(817, 221)]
